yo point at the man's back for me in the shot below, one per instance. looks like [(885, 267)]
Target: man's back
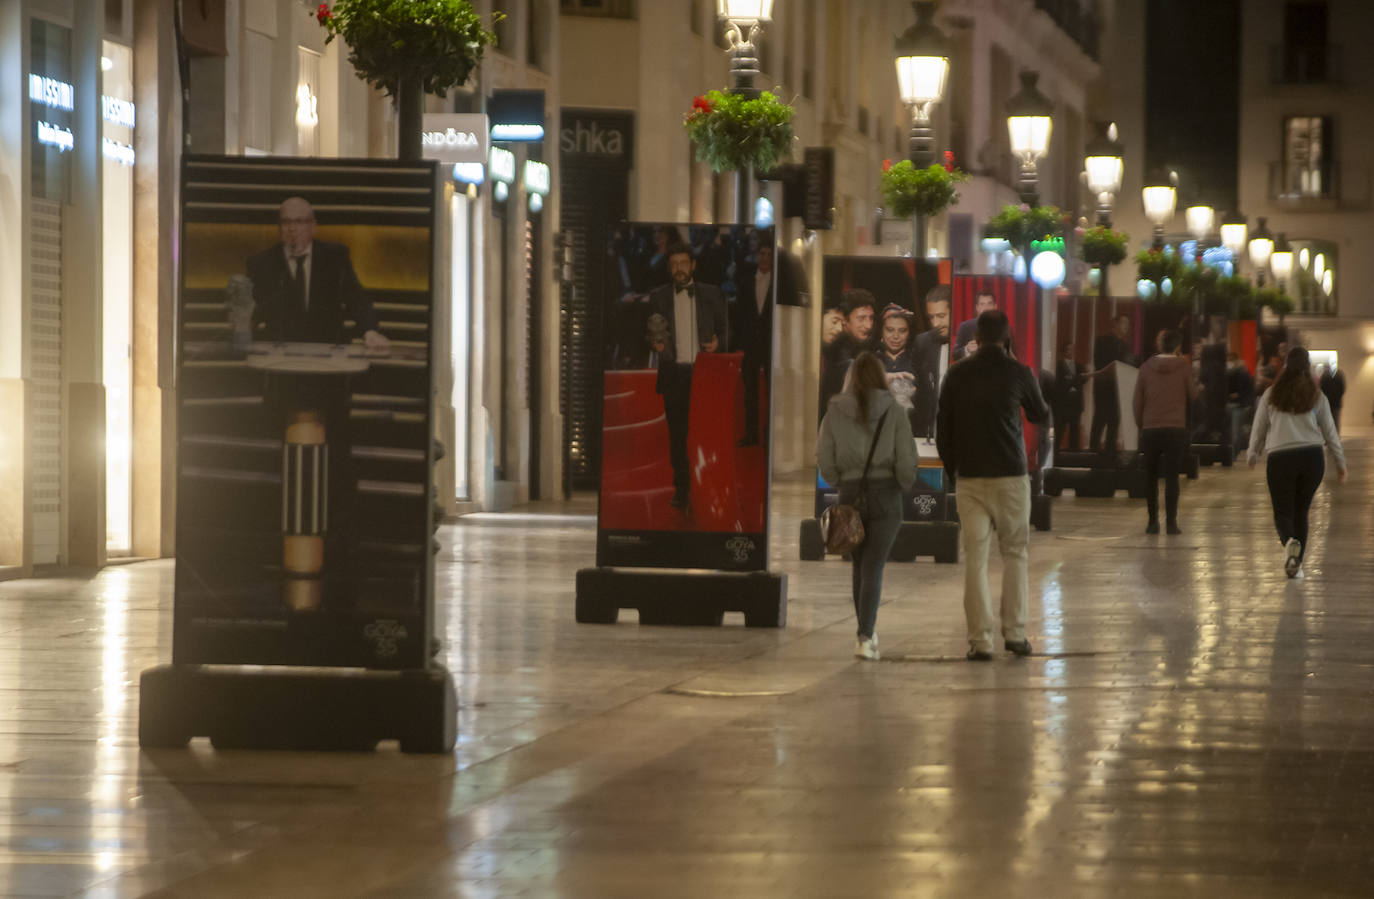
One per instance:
[(979, 428)]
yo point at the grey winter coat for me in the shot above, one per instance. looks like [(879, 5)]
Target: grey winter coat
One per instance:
[(843, 443)]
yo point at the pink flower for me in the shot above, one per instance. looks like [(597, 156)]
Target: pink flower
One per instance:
[(1024, 207), (322, 13)]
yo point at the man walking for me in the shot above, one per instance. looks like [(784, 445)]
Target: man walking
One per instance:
[(1163, 392), (981, 444)]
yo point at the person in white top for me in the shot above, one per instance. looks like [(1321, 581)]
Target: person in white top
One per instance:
[(1293, 424)]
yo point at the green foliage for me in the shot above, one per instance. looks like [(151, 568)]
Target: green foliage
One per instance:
[(1021, 224), (1235, 296), (733, 132), (1103, 246), (909, 191), (437, 42), (1156, 265)]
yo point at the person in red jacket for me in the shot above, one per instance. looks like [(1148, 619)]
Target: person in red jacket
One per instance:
[(1164, 390)]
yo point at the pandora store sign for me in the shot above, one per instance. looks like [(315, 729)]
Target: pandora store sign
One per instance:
[(455, 137)]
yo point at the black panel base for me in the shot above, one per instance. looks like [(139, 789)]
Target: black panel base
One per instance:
[(1096, 482), (1214, 454), (301, 709), (681, 597), (812, 543)]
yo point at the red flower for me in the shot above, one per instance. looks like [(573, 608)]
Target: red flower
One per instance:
[(949, 166), (887, 165), (949, 157), (701, 104), (322, 13)]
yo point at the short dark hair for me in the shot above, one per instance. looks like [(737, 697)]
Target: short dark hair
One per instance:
[(857, 298), (1170, 340), (993, 328), (1120, 315), (679, 249), (940, 293)]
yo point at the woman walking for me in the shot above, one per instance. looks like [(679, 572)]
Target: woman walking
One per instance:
[(1292, 423), (865, 418)]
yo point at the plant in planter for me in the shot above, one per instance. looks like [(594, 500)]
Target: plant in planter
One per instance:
[(1235, 297), (1281, 303), (909, 191), (735, 132), (409, 48), (1102, 246), (1155, 266), (1020, 225)]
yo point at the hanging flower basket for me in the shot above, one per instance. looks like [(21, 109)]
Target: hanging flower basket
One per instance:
[(733, 132), (1156, 265), (1103, 246), (908, 190), (1019, 225), (435, 43)]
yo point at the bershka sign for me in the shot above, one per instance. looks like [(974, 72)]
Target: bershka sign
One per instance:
[(595, 135), (455, 137)]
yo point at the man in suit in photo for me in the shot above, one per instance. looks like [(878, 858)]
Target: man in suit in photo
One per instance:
[(752, 331), (966, 339), (686, 318), (1108, 348), (1068, 399), (930, 354), (305, 289)]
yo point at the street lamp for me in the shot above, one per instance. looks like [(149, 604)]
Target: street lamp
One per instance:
[(1281, 261), (1103, 163), (1233, 234), (1199, 218), (922, 68), (744, 21), (1160, 194), (1261, 248), (1030, 119)]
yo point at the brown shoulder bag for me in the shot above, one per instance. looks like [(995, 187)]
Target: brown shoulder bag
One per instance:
[(842, 525)]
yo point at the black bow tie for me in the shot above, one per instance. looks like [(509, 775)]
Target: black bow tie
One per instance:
[(690, 290)]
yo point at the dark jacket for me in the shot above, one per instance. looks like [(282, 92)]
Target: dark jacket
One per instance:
[(751, 330), (335, 295), (711, 317), (978, 429), (925, 355), (1164, 389)]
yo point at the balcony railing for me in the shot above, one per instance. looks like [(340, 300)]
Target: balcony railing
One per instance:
[(1334, 187), (1298, 64), (1078, 22)]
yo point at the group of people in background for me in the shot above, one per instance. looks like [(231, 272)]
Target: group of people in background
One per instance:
[(982, 402)]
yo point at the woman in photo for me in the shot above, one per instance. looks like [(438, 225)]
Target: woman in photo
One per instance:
[(895, 353), (864, 417), (1293, 424)]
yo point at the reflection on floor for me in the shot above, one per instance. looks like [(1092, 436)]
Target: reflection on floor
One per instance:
[(1195, 724)]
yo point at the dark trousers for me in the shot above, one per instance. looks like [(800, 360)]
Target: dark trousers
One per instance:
[(675, 384), (752, 368), (1106, 415), (1163, 449), (882, 518), (1066, 425), (1294, 475)]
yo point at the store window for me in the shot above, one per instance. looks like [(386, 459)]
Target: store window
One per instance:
[(1307, 149)]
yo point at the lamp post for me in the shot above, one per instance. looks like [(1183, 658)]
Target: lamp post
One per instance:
[(1261, 248), (922, 69), (1103, 163), (1160, 195), (1281, 261), (1030, 119), (1233, 233), (744, 22), (1199, 218)]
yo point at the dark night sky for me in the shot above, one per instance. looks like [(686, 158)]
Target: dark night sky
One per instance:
[(1192, 96)]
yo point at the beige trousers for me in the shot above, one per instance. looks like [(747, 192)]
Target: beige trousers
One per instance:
[(987, 505)]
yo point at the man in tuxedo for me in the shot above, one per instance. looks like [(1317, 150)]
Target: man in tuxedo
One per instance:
[(691, 319), (930, 353), (1068, 399), (753, 330), (304, 289), (1108, 348), (966, 339)]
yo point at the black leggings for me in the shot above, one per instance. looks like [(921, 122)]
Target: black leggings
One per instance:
[(1163, 450), (1294, 475)]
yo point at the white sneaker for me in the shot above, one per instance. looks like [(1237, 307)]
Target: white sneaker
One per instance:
[(1292, 562), (867, 648)]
